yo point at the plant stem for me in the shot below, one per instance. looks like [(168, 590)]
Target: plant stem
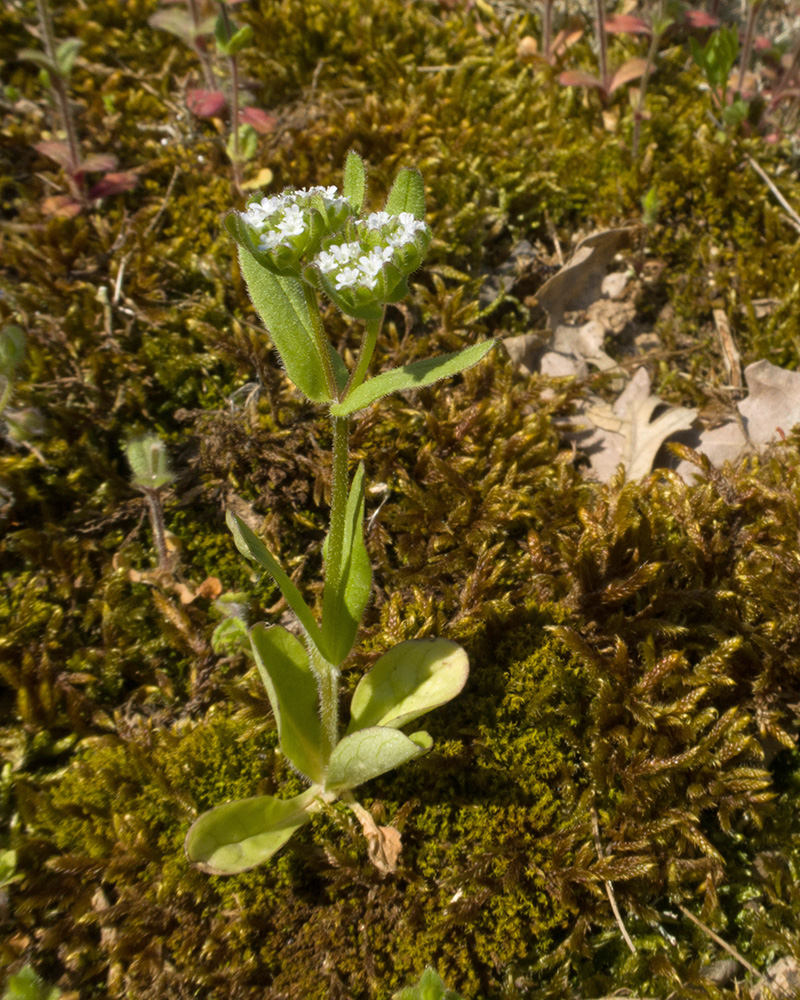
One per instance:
[(237, 159), (747, 48), (547, 29), (157, 524), (321, 339), (339, 490), (655, 39), (327, 675), (373, 328), (202, 55), (234, 67), (59, 86), (602, 43)]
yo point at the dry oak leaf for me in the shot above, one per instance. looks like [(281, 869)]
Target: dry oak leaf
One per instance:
[(771, 407), (628, 433)]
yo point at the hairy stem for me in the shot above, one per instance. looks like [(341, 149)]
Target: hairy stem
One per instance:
[(59, 86), (157, 524), (320, 338), (373, 328), (237, 158), (327, 675)]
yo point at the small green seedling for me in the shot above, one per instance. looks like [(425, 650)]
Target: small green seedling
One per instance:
[(430, 987), (290, 246)]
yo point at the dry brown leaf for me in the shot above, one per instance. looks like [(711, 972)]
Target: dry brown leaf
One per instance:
[(579, 282), (627, 433), (771, 407), (384, 843)]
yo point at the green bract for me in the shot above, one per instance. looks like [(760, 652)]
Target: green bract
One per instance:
[(290, 246)]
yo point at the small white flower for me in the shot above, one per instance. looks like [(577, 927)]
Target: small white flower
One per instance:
[(377, 220), (347, 278), (371, 265), (270, 240), (343, 253), (326, 261), (293, 223)]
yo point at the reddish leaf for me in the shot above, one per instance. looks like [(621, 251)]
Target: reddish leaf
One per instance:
[(262, 121), (630, 70), (61, 205), (113, 184), (626, 24), (205, 103), (577, 78), (701, 19), (98, 163), (56, 151)]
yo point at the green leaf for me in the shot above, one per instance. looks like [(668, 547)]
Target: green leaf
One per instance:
[(355, 181), (8, 864), (340, 370), (26, 985), (251, 547), (408, 681), (366, 754), (179, 22), (413, 376), (343, 607), (12, 348), (281, 304), (292, 688), (407, 194), (34, 55), (66, 54), (430, 987), (239, 835)]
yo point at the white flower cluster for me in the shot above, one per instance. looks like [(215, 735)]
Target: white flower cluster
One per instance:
[(281, 216), (352, 265)]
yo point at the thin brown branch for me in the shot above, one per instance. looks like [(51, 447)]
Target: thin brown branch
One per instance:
[(732, 951), (609, 887)]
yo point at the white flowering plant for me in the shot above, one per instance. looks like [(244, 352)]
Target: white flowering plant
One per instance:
[(291, 246)]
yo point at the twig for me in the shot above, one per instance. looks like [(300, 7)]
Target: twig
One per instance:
[(730, 355), (732, 951), (794, 218), (151, 226), (609, 887)]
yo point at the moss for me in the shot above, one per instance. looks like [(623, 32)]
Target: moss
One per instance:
[(678, 641), (474, 814)]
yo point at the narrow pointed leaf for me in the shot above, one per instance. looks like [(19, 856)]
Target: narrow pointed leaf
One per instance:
[(355, 181), (408, 681), (292, 688), (239, 835), (340, 370), (251, 547), (414, 376), (407, 194), (366, 754), (343, 606), (280, 303)]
